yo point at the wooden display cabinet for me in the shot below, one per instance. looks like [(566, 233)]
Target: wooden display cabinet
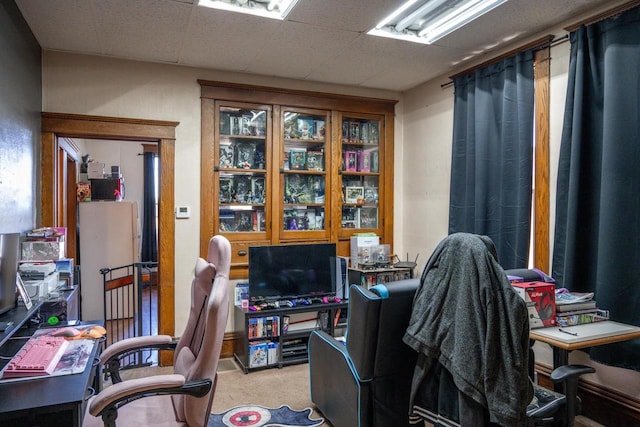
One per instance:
[(282, 166)]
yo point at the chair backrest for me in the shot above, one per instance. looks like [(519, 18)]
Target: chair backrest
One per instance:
[(377, 322), (378, 318), (467, 317), (198, 351)]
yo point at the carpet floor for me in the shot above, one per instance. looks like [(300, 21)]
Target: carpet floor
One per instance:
[(269, 387)]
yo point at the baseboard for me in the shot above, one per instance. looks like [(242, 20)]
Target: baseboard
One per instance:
[(599, 402)]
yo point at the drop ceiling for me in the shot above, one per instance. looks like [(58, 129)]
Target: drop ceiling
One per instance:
[(321, 40)]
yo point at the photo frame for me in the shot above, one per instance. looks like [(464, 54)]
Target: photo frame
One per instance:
[(227, 223), (226, 156), (354, 194), (245, 155), (257, 189), (354, 132), (368, 217), (305, 128), (364, 161), (297, 158), (226, 189), (24, 295), (315, 160), (371, 194), (242, 189), (351, 161), (296, 189), (244, 221)]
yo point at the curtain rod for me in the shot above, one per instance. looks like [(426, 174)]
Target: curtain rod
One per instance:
[(540, 43), (592, 20), (604, 15)]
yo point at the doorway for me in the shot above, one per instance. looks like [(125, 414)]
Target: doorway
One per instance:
[(55, 202)]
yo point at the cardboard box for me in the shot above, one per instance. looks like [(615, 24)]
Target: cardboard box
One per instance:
[(83, 192), (359, 242), (541, 302), (42, 251), (95, 170), (242, 294)]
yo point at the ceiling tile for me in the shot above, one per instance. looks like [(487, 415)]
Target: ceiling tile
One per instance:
[(298, 49), (142, 29), (68, 26)]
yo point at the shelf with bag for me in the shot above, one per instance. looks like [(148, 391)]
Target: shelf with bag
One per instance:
[(292, 139), (360, 174), (304, 175), (240, 169)]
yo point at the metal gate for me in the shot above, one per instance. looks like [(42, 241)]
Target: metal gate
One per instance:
[(131, 307)]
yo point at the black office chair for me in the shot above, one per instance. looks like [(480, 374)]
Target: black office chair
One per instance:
[(471, 332), (365, 381)]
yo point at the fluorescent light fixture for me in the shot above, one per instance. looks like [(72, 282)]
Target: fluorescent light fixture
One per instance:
[(275, 9), (427, 21), (458, 18), (395, 13)]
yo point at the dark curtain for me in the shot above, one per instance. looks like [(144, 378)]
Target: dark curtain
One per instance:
[(492, 159), (149, 226), (597, 227)]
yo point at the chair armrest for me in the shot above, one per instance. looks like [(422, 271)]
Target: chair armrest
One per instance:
[(110, 357), (107, 402), (568, 376), (134, 343), (569, 372), (335, 388)]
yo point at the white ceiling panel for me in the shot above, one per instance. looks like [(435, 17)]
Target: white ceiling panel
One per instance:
[(69, 26), (321, 40), (226, 40), (159, 25), (298, 49), (348, 15)]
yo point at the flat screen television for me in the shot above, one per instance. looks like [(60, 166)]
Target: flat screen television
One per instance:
[(9, 258), (291, 271)]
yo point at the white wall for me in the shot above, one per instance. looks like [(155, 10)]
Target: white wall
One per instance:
[(80, 84), (126, 155), (426, 169)]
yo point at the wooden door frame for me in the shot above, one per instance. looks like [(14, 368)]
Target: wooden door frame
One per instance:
[(58, 125)]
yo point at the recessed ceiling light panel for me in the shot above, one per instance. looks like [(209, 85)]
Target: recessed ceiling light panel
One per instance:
[(275, 9), (426, 21)]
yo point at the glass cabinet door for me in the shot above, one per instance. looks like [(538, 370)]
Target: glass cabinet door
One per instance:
[(360, 174), (304, 166), (241, 169)]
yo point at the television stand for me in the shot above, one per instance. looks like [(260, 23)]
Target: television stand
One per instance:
[(278, 337)]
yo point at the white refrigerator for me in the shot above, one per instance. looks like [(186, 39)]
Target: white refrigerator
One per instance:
[(109, 237)]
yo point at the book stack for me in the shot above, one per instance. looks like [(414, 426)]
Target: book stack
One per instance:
[(577, 308)]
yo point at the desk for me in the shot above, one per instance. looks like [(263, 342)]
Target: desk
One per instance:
[(589, 335), (57, 401)]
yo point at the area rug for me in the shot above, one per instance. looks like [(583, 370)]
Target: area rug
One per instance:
[(259, 416)]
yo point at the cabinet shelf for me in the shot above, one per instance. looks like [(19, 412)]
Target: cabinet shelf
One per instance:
[(238, 171), (299, 144), (245, 137), (303, 172), (258, 352)]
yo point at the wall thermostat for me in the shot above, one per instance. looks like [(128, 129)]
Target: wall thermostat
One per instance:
[(183, 212)]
